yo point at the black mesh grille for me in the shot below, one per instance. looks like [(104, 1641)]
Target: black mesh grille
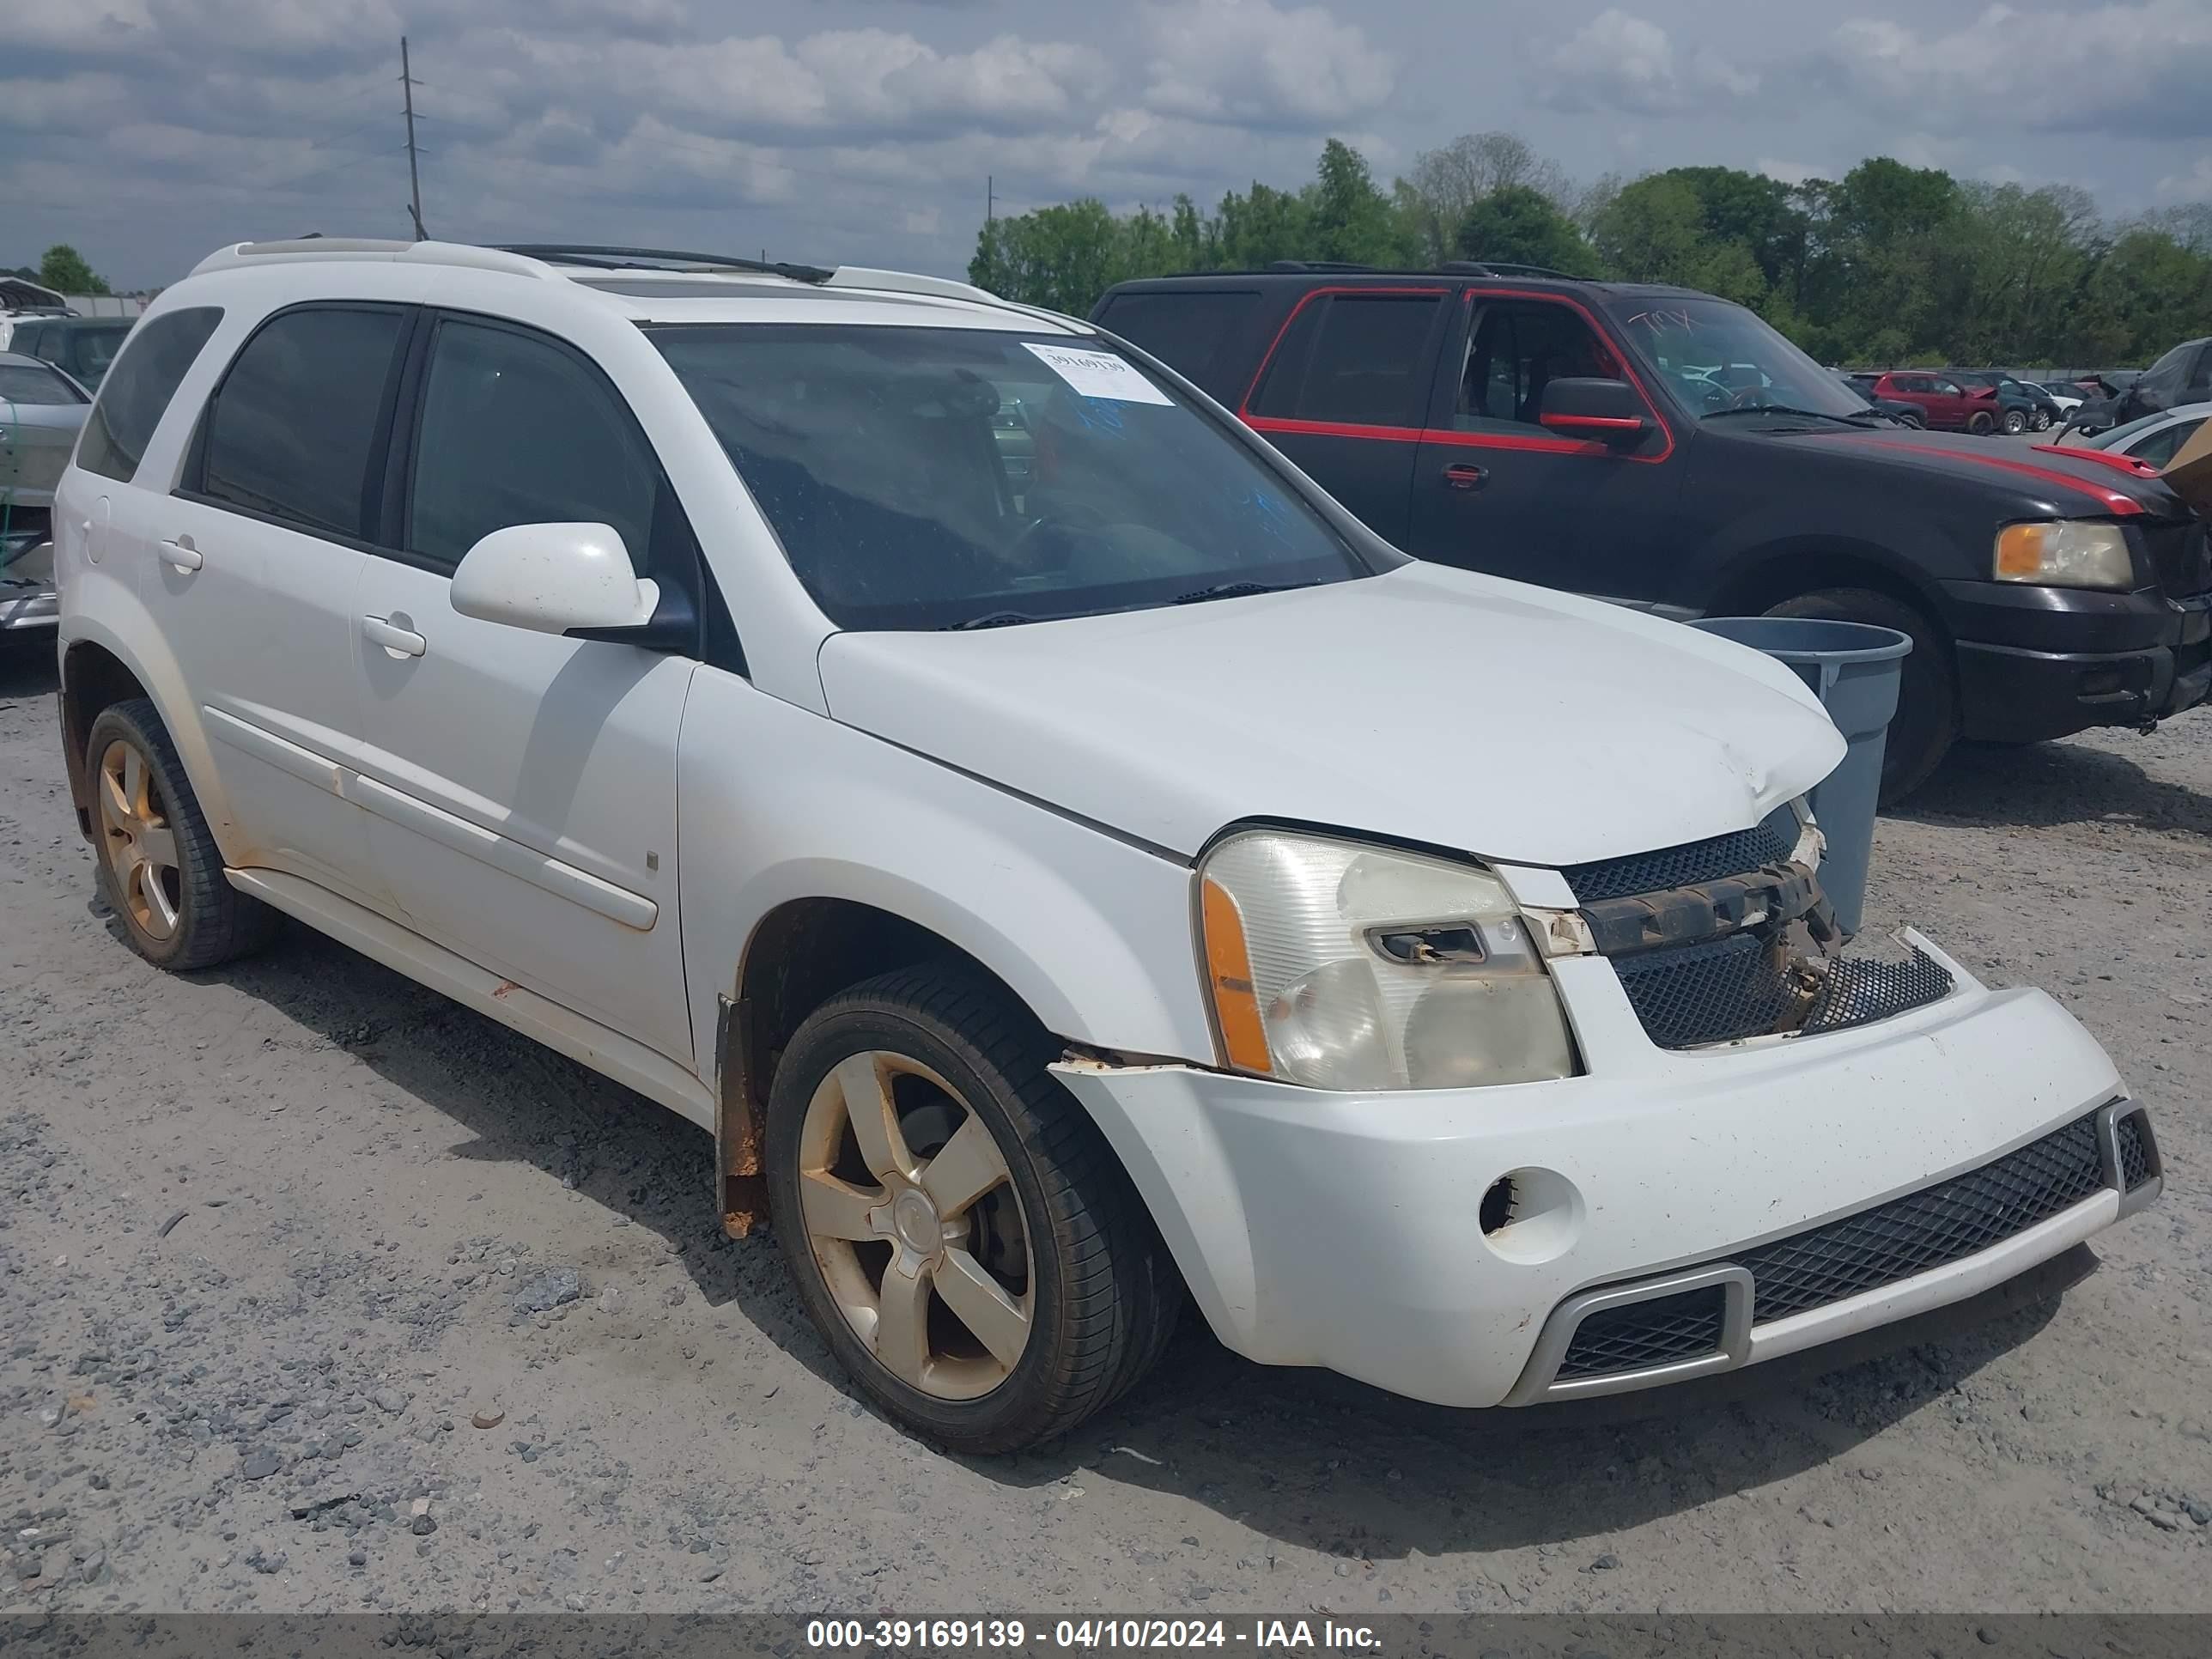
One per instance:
[(1926, 1229), (2135, 1155), (1658, 1332), (1736, 987), (1769, 841)]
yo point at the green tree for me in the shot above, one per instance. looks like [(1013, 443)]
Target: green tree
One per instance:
[(63, 269), (1348, 217), (1522, 225)]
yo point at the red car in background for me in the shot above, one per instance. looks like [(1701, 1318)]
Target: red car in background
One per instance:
[(1946, 404)]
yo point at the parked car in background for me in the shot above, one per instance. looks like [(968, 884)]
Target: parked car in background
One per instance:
[(1056, 913), (1945, 404), (81, 347), (1903, 413), (2065, 397), (2020, 407), (2182, 375), (1570, 433), (2154, 439), (41, 411)]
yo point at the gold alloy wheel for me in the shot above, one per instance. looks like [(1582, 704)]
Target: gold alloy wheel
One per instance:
[(912, 1217), (138, 841)]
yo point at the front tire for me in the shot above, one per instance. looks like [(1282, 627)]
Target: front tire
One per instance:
[(2015, 421), (1981, 424), (954, 1223), (159, 868), (2042, 422), (1926, 723)]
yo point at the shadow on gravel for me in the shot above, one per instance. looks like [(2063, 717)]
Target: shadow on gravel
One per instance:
[(2040, 785), (1302, 1457), (28, 671)]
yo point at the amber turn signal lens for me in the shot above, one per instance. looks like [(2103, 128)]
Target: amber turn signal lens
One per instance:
[(2020, 550), (1229, 981)]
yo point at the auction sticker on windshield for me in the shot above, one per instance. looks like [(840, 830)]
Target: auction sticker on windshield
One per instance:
[(1099, 374)]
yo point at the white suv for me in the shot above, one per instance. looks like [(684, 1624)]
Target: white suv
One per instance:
[(1065, 876)]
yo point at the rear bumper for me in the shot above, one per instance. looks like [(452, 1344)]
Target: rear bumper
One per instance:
[(2039, 662), (28, 608)]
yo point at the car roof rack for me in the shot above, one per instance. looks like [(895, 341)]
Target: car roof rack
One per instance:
[(1317, 265), (659, 258), (1505, 268)]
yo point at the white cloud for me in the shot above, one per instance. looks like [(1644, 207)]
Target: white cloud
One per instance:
[(2154, 56), (2194, 185), (1252, 62), (1791, 173), (1619, 62)]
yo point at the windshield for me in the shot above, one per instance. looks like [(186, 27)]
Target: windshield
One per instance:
[(28, 383), (1717, 355), (2120, 437), (927, 478)]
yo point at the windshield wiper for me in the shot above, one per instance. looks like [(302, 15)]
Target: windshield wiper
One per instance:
[(1237, 590), (1803, 414), (994, 619)]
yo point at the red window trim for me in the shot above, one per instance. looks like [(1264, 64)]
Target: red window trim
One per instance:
[(1539, 443), (1244, 406), (1593, 422)]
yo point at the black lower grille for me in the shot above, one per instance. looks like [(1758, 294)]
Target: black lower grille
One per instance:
[(2134, 1153), (1739, 987), (1926, 1229), (1770, 841), (1643, 1334)]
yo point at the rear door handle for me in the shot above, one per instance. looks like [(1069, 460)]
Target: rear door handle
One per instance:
[(182, 554), (1466, 475), (400, 642)]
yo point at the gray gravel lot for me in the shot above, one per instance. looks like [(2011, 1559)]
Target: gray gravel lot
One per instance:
[(275, 1240)]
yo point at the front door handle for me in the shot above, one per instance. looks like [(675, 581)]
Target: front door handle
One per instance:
[(181, 553), (400, 642), (1466, 475)]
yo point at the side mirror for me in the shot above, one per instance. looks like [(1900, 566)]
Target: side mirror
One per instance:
[(553, 578), (1607, 410)]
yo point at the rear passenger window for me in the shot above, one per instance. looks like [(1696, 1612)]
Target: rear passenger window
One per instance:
[(291, 431), (1363, 359), (1187, 329), (516, 429), (139, 388)]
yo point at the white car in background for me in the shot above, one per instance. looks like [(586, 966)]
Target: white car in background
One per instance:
[(2154, 439), (1058, 903), (41, 411)]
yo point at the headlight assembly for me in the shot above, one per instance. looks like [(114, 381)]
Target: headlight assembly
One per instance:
[(2065, 553), (1343, 966)]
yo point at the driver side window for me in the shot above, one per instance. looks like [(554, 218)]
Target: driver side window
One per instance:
[(1515, 349)]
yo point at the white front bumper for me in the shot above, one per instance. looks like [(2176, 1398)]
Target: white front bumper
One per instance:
[(1336, 1229)]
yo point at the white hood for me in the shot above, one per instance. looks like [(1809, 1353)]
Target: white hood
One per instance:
[(1428, 704)]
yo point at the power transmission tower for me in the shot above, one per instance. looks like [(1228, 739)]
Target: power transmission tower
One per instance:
[(408, 83)]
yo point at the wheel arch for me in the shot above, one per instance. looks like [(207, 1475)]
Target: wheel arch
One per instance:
[(1776, 571)]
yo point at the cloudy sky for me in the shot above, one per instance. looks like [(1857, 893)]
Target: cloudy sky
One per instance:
[(147, 131)]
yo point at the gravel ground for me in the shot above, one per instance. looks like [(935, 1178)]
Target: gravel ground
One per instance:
[(319, 1292)]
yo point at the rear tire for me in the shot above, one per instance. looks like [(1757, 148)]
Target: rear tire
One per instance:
[(159, 868), (1059, 1229), (2042, 422), (2015, 421), (1926, 723)]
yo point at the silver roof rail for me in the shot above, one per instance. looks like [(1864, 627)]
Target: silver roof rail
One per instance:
[(244, 254)]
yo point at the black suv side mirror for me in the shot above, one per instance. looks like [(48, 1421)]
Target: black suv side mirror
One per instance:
[(1607, 410)]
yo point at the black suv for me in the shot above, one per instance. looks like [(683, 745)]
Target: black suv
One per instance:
[(1667, 449)]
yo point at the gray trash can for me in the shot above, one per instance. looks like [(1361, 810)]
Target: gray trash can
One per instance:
[(1853, 668)]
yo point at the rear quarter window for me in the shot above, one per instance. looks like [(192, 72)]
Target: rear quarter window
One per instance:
[(138, 388), (1193, 331)]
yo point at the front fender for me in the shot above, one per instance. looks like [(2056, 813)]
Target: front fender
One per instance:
[(775, 804)]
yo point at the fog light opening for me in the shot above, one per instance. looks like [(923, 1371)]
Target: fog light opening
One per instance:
[(1497, 1206), (1531, 1215)]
